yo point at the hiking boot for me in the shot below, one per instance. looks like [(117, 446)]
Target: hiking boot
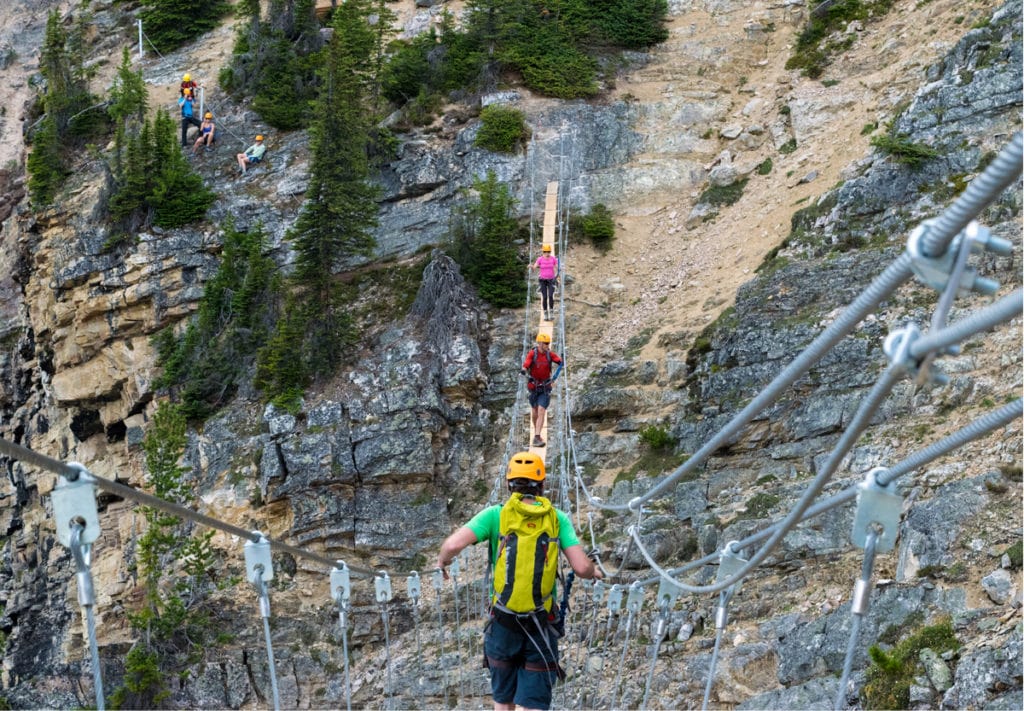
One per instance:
[(537, 441)]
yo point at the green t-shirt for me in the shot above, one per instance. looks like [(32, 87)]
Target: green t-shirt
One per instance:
[(486, 527)]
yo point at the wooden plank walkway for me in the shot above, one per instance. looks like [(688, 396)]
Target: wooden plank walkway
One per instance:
[(547, 327)]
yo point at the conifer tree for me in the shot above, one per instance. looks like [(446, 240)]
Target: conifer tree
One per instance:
[(45, 167), (340, 203), (168, 24), (128, 96), (484, 232)]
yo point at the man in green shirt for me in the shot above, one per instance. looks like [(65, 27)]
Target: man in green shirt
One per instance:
[(521, 648)]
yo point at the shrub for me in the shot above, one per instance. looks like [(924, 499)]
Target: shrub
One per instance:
[(891, 673), (632, 24), (502, 129), (903, 150), (598, 227), (657, 437), (764, 167)]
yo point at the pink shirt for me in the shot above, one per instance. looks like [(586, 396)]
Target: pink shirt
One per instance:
[(548, 266)]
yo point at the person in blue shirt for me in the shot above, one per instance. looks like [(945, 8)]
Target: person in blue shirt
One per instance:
[(188, 115)]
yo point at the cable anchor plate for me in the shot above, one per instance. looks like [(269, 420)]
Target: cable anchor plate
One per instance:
[(75, 502), (636, 598), (935, 272), (615, 598), (382, 587), (341, 584), (258, 564), (730, 562), (879, 506)]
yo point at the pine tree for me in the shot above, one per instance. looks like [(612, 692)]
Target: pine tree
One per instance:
[(340, 206), (484, 232), (45, 167), (168, 24), (128, 96)]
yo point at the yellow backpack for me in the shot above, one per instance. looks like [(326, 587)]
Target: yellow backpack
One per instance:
[(527, 563)]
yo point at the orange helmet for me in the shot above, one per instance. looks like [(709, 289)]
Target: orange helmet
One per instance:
[(208, 115), (525, 465)]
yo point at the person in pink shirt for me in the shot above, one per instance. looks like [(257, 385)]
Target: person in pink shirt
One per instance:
[(547, 266)]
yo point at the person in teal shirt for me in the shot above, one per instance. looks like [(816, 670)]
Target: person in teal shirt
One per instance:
[(522, 658)]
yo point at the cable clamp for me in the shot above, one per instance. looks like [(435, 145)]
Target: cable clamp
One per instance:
[(455, 567), (437, 579), (877, 506), (74, 502), (83, 560), (636, 598), (897, 348), (635, 504), (730, 562), (382, 586), (341, 584), (615, 598), (258, 564), (935, 272), (598, 594)]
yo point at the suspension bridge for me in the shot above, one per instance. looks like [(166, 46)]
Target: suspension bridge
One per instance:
[(606, 618)]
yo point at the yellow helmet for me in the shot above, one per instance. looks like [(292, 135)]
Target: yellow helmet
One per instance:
[(259, 138), (525, 465), (187, 77), (208, 115), (543, 338), (546, 248)]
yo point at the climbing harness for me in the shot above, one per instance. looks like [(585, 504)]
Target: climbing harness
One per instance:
[(260, 570)]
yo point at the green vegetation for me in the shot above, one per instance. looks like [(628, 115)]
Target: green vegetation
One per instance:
[(824, 35), (483, 234), (175, 572), (69, 118), (502, 129), (204, 366), (759, 506), (654, 462), (788, 147), (598, 227), (168, 24), (723, 194), (892, 672), (764, 167), (903, 150), (315, 329), (657, 437), (1015, 554), (868, 129)]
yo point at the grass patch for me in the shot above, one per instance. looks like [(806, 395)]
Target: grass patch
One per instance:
[(825, 35), (636, 343), (759, 506), (723, 194), (764, 167), (657, 437), (1014, 553), (654, 462), (788, 147), (892, 672)]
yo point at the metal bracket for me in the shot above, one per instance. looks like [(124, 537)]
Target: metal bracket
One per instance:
[(935, 272), (382, 587), (258, 564), (897, 349), (877, 505), (636, 598), (455, 567), (437, 579), (598, 594), (75, 502), (668, 592), (729, 563), (341, 584), (412, 586), (615, 598)]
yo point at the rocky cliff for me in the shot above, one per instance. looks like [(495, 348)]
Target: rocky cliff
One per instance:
[(386, 458)]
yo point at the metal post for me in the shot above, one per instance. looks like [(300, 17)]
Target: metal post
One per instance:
[(260, 571), (140, 39), (86, 599), (341, 592)]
